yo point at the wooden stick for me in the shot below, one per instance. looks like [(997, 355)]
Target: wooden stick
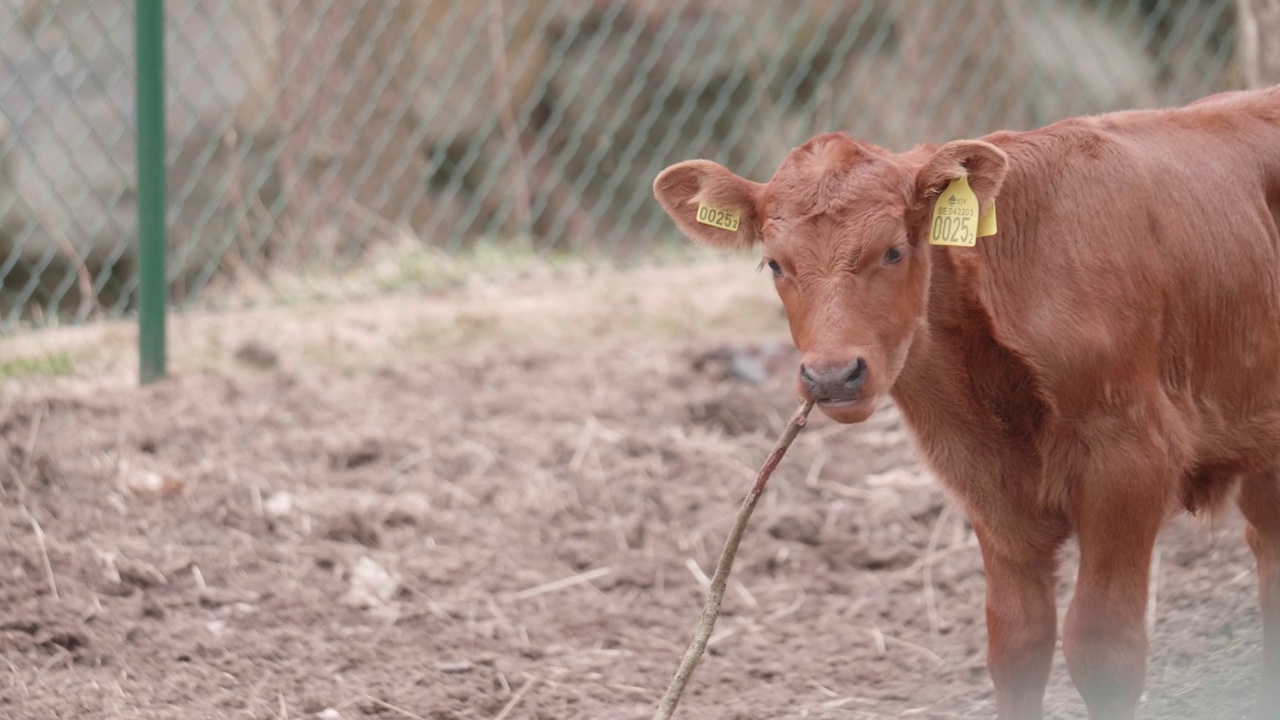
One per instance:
[(44, 554), (515, 699), (507, 116), (564, 583), (720, 580)]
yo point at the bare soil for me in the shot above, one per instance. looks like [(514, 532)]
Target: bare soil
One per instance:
[(501, 502)]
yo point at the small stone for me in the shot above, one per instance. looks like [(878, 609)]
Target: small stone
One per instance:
[(278, 505), (257, 354), (153, 484), (371, 585)]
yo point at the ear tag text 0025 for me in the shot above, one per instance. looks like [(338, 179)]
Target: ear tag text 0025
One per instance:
[(718, 217), (955, 216)]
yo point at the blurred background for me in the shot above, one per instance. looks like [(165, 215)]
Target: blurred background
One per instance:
[(456, 421), (314, 138)]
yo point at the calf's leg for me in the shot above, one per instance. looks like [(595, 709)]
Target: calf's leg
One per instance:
[(1022, 622), (1118, 515), (1260, 503)]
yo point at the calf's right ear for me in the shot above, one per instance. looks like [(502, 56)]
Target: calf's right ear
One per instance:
[(983, 164), (709, 204)]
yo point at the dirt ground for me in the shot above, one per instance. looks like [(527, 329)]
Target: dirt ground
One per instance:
[(502, 502)]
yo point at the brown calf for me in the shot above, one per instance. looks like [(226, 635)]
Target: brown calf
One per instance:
[(1108, 357)]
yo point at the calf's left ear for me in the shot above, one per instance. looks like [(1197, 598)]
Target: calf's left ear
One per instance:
[(984, 164)]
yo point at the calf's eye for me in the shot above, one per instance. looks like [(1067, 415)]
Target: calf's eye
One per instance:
[(775, 268), (892, 255)]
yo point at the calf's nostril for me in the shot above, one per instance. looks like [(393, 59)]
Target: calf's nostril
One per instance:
[(807, 375), (856, 374)]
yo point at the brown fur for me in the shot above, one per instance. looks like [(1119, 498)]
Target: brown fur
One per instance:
[(1111, 356)]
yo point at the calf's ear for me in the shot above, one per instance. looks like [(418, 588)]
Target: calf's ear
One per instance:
[(709, 204), (984, 164)]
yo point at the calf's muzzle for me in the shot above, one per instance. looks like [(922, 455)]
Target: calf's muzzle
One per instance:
[(834, 385)]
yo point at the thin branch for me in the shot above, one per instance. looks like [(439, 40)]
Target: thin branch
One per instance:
[(44, 554), (1153, 592), (27, 463), (563, 583), (937, 659), (388, 706), (930, 598), (507, 116), (720, 580), (1247, 45), (83, 280), (29, 450), (515, 699), (233, 255)]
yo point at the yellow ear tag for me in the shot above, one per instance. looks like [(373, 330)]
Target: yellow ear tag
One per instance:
[(987, 223), (955, 216), (718, 217)]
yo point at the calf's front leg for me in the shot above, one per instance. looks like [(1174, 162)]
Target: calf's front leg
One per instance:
[(1022, 621), (1118, 516)]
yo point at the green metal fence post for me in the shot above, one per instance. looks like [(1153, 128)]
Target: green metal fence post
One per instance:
[(151, 190)]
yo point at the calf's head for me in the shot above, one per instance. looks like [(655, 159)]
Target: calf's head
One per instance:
[(843, 228)]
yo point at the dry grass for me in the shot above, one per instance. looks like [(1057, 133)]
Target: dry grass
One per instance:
[(532, 306)]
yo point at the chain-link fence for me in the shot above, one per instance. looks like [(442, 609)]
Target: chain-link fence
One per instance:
[(311, 135)]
